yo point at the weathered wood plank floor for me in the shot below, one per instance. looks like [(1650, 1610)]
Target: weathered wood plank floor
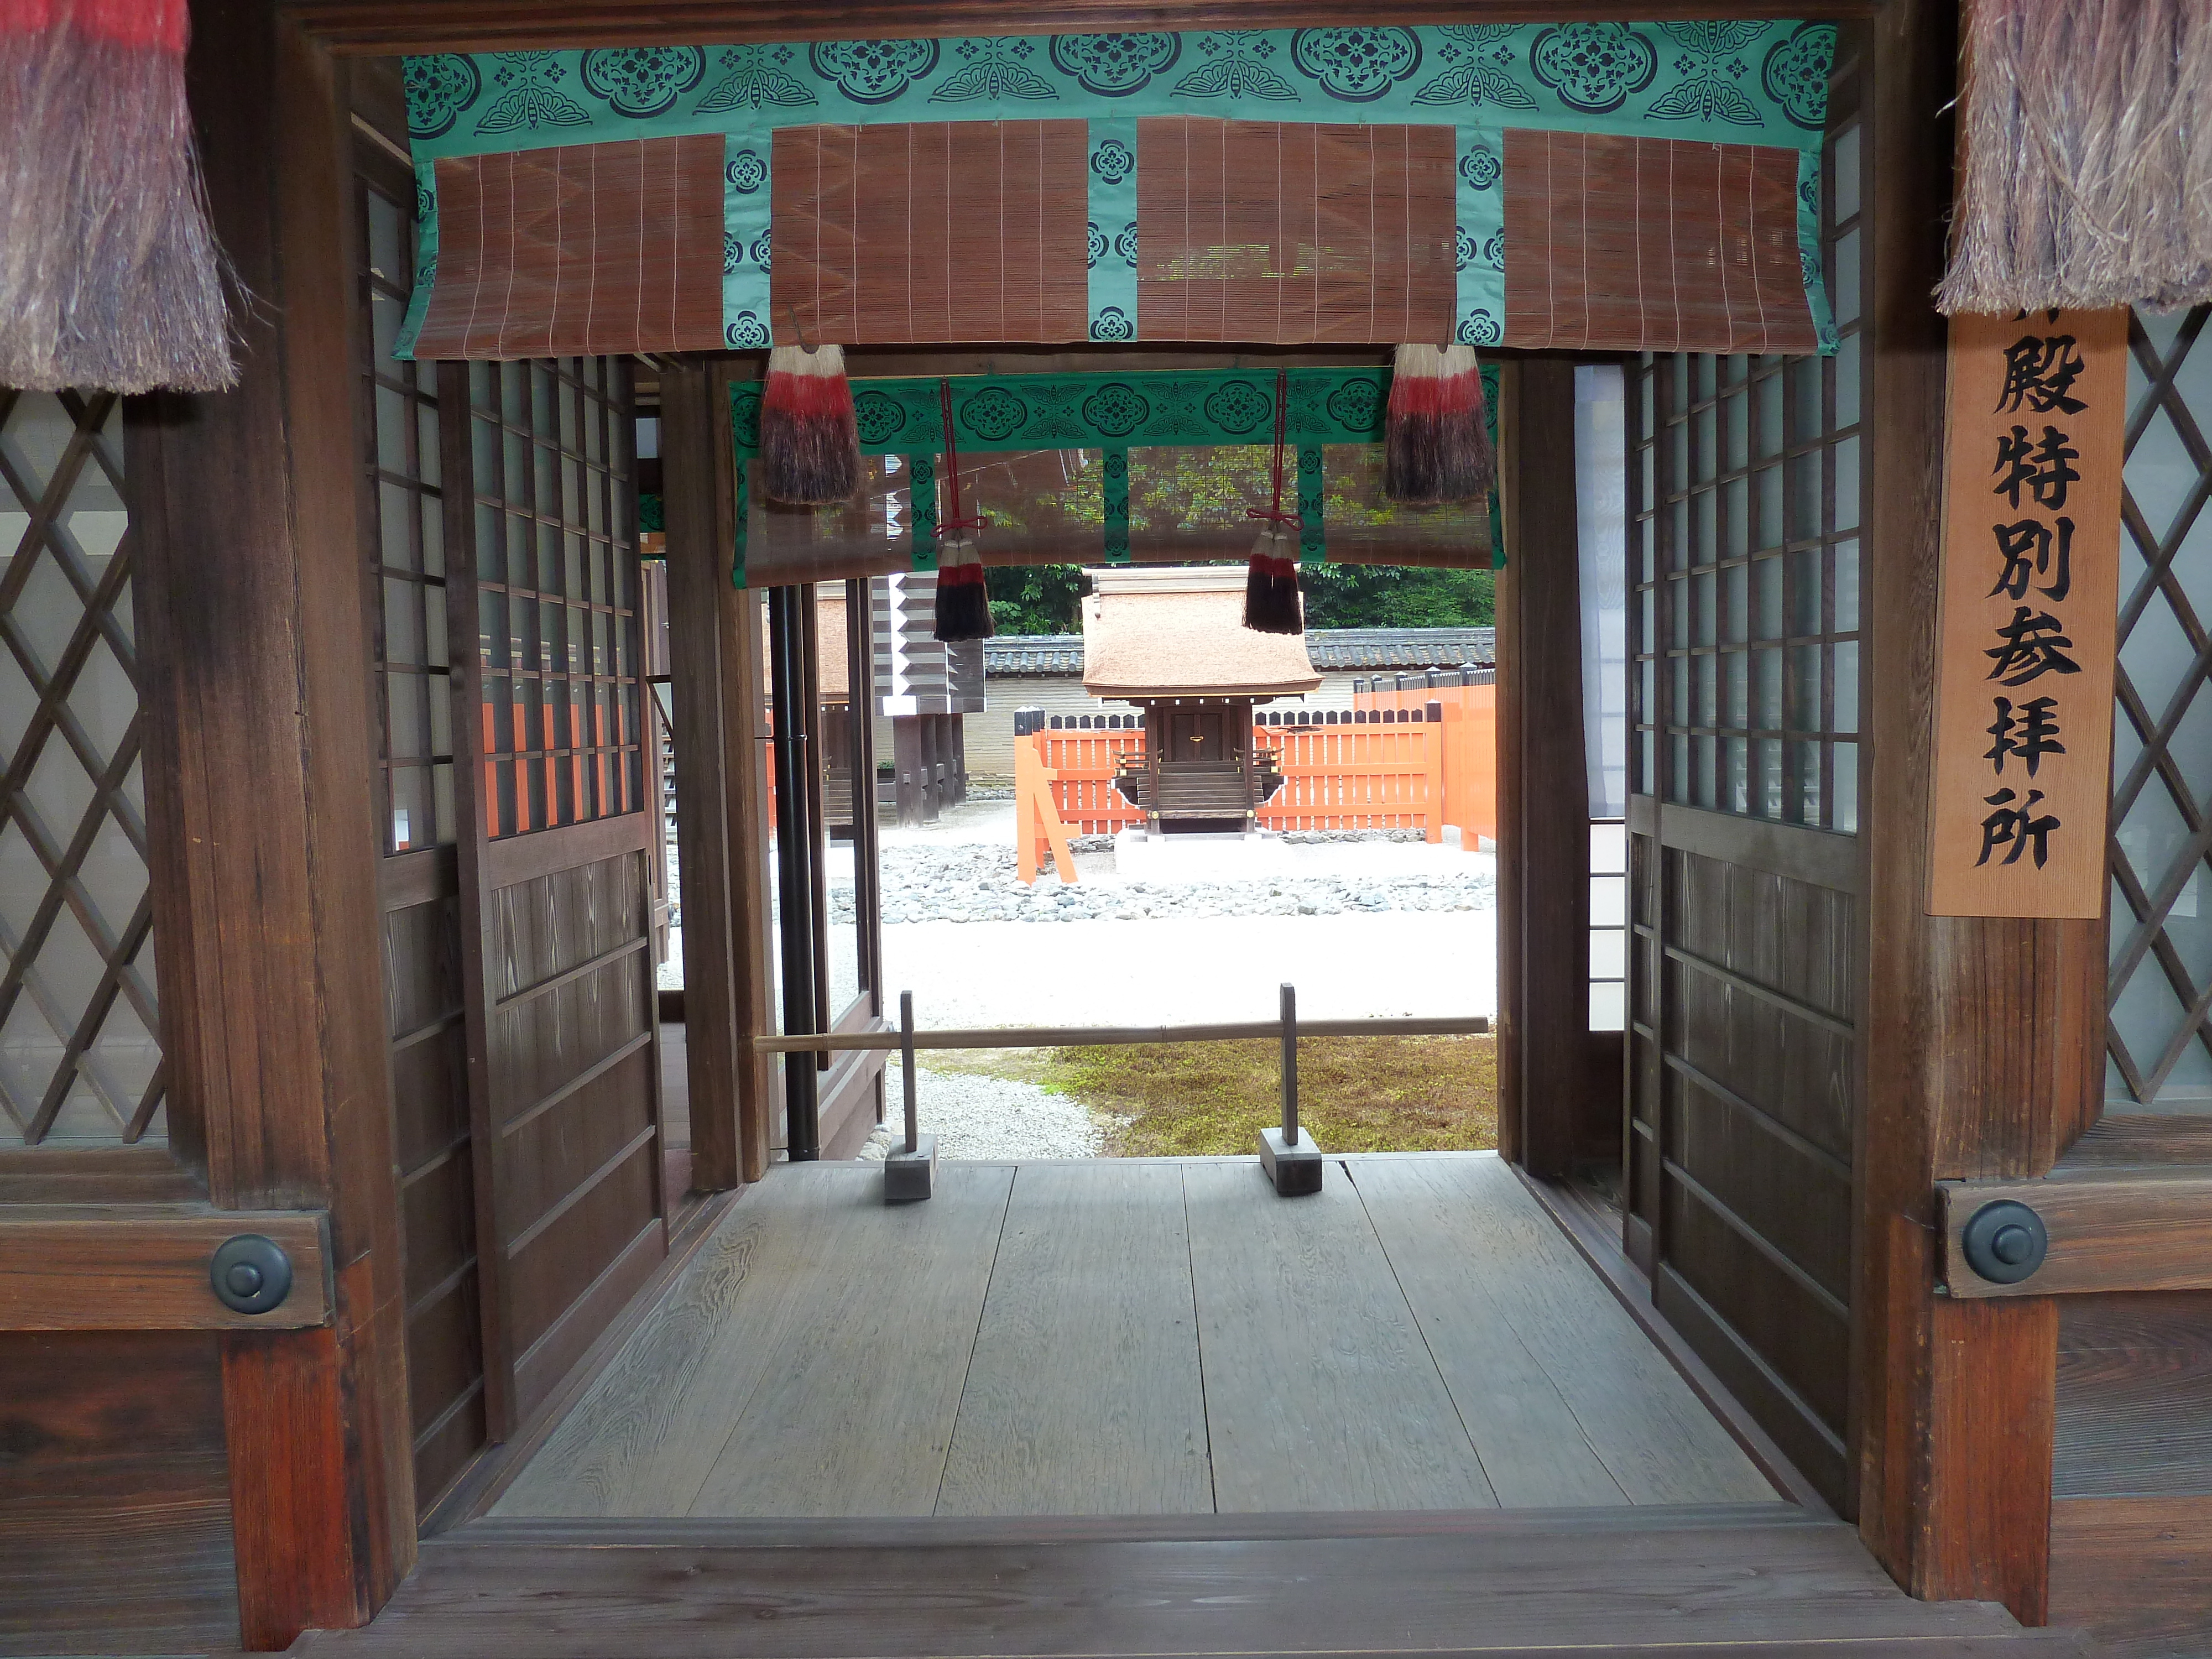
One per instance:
[(1135, 1338)]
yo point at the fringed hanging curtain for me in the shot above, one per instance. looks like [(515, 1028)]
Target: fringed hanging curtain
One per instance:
[(2086, 156)]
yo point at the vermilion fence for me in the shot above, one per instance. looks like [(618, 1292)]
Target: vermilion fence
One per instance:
[(1355, 777), (1396, 768)]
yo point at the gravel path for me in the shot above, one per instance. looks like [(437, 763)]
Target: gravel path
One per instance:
[(969, 883), (988, 1118)]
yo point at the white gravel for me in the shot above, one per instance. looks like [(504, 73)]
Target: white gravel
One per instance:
[(987, 1118)]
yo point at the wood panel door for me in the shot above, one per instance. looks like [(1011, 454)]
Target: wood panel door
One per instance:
[(1746, 871), (559, 830), (1196, 735)]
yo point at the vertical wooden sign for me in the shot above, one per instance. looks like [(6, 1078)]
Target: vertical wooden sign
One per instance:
[(2029, 598)]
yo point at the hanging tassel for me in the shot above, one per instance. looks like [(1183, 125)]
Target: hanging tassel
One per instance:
[(810, 446), (1271, 585), (1271, 579), (1434, 447), (109, 273), (964, 602)]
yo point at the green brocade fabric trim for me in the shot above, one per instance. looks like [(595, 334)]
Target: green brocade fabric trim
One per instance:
[(1727, 80), (1103, 411), (1115, 413)]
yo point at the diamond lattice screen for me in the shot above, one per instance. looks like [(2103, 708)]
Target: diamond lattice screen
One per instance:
[(2160, 1038), (80, 1062)]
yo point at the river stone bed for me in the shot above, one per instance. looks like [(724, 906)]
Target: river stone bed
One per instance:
[(979, 883)]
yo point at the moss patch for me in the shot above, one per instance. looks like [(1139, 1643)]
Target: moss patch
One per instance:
[(1355, 1094)]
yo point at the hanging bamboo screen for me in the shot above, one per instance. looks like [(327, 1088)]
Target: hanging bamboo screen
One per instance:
[(1652, 244), (1294, 233), (970, 230), (585, 249)]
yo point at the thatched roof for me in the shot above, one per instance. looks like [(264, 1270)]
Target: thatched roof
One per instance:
[(1178, 631)]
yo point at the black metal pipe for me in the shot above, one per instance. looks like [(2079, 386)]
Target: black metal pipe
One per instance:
[(906, 1071), (1290, 1067)]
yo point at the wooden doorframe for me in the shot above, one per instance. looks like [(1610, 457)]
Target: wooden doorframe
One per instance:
[(1558, 1083), (261, 759)]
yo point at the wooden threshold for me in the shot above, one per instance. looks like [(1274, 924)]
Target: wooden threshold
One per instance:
[(1686, 1584)]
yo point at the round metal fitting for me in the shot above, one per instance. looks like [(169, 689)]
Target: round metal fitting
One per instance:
[(251, 1273), (2005, 1242)]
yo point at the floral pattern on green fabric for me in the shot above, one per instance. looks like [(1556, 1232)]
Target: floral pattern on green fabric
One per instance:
[(873, 72), (439, 86), (1113, 160), (746, 172), (1113, 323), (1238, 407), (994, 413), (994, 67), (880, 418), (1795, 73), (746, 332), (1356, 65), (1711, 64), (643, 82), (1115, 65), (1479, 327), (755, 77), (1595, 68), (1235, 66), (1357, 405), (530, 96), (1478, 69), (1481, 167), (1115, 410)]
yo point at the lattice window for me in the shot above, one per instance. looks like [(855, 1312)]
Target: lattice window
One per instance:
[(2160, 975), (557, 592), (80, 1053), (406, 550), (1744, 557)]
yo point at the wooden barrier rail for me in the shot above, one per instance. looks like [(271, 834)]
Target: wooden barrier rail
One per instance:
[(1079, 1037), (1355, 777)]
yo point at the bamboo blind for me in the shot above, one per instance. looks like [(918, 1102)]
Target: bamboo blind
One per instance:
[(1293, 233), (585, 250), (930, 231), (1652, 244)]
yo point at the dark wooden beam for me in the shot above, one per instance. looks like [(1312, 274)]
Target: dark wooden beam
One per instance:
[(1544, 1070), (259, 779), (1975, 1028), (367, 26)]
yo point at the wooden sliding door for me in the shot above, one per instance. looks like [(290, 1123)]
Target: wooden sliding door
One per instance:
[(559, 830), (1746, 870)]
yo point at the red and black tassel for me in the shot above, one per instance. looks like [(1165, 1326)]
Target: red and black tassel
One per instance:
[(810, 446), (1271, 579), (964, 602), (1271, 585), (1435, 446)]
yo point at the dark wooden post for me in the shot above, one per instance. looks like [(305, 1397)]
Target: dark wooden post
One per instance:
[(258, 784), (1543, 789), (1984, 1038), (716, 662)]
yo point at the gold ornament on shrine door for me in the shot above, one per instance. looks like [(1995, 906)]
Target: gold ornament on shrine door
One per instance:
[(2029, 602)]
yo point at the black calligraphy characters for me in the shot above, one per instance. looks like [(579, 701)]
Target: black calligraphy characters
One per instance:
[(2014, 825)]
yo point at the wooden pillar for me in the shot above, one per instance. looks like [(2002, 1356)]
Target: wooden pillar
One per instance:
[(714, 650), (1543, 788), (1983, 1037), (259, 783)]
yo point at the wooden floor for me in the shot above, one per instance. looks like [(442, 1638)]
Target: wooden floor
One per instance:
[(1131, 1339)]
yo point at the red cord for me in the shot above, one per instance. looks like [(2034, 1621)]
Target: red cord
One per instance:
[(1275, 515), (952, 464)]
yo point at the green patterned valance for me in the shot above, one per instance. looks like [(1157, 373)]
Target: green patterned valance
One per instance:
[(1741, 85), (1103, 411), (1110, 413)]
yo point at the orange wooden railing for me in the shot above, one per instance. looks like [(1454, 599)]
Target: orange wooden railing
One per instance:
[(1355, 777), (1470, 743)]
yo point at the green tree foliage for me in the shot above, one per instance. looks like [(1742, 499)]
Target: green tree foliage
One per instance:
[(1036, 598), (1398, 596)]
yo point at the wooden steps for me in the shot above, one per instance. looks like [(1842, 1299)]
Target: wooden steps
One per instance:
[(1682, 1582)]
